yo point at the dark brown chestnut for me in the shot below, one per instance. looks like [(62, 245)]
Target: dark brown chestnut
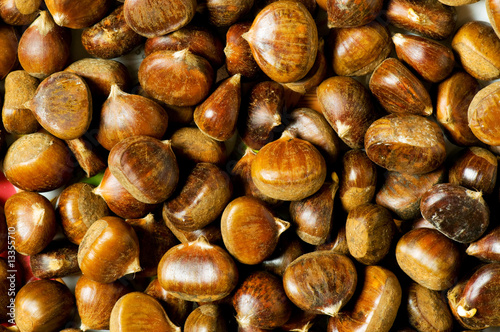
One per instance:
[(321, 282), (487, 248), (180, 269), (33, 219), (249, 229), (457, 212), (222, 13), (289, 248), (429, 258), (260, 301), (239, 58), (201, 200), (59, 259)]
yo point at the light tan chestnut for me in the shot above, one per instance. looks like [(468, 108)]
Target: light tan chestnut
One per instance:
[(249, 230), (89, 156), (198, 271), (482, 114), (288, 169), (109, 250), (291, 31), (137, 311), (190, 143)]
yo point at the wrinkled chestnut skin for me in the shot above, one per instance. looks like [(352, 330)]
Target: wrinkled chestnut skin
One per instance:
[(111, 37), (457, 212), (453, 99), (429, 258), (261, 301), (428, 310), (321, 282), (429, 18), (405, 143), (376, 306), (474, 301)]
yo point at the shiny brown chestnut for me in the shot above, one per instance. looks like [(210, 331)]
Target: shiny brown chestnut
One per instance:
[(95, 301), (202, 199), (59, 259), (77, 208), (261, 301), (431, 60), (406, 143), (44, 48), (369, 232), (211, 232), (38, 162), (137, 311), (146, 167), (111, 37), (124, 115), (208, 317), (453, 99), (9, 43), (475, 168), (357, 51), (155, 239), (288, 169), (428, 310), (119, 200), (376, 306), (346, 104), (487, 248), (249, 230), (429, 18), (43, 305), (429, 258), (289, 248), (476, 45), (200, 40), (11, 15), (263, 114), (338, 243), (181, 266), (68, 118), (482, 114), (101, 74), (492, 10), (313, 216), (474, 301), (321, 282), (457, 212), (20, 87), (239, 58), (398, 90), (109, 250), (178, 78), (294, 46), (401, 192), (77, 15), (216, 116), (32, 217), (222, 13), (357, 180), (345, 14), (156, 18)]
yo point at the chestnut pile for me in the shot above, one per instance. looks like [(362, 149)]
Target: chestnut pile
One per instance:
[(291, 165)]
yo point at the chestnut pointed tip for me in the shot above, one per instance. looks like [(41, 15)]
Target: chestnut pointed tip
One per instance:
[(332, 310), (283, 225), (478, 195), (472, 249), (84, 327), (60, 19), (134, 267), (398, 39), (115, 91)]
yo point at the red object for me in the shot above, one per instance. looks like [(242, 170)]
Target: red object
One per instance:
[(6, 189)]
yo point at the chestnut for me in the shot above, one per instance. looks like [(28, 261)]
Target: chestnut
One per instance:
[(429, 258), (345, 14), (294, 45), (98, 261), (289, 248), (32, 217), (375, 307), (405, 143), (321, 282), (486, 248), (249, 230), (369, 232), (95, 301), (77, 15), (146, 167), (288, 169), (346, 104), (482, 114), (239, 58), (89, 157), (156, 18), (20, 88), (428, 310), (201, 200), (137, 311), (77, 208), (474, 301), (12, 16), (459, 213), (43, 305), (189, 143), (260, 301), (59, 259), (9, 43), (208, 317), (180, 269), (38, 162)]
